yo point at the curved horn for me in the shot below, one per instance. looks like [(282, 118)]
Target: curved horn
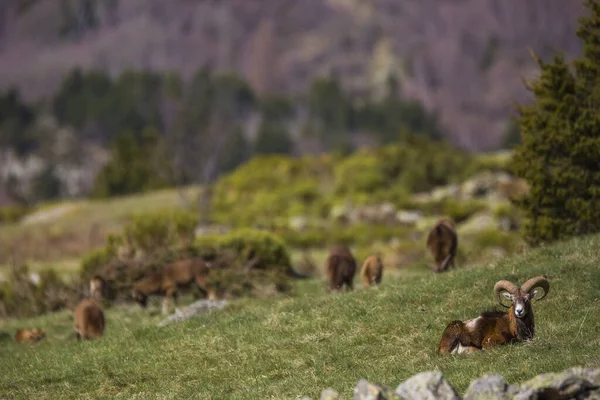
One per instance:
[(501, 286), (535, 282)]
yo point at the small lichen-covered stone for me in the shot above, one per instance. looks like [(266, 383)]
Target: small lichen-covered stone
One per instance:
[(567, 384), (427, 386), (490, 387), (368, 391)]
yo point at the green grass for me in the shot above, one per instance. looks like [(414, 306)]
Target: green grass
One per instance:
[(291, 346)]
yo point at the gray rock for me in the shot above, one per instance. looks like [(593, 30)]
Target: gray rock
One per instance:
[(298, 223), (197, 308), (568, 384), (340, 212), (445, 192), (368, 391), (490, 387), (330, 394), (409, 218), (427, 386), (479, 222)]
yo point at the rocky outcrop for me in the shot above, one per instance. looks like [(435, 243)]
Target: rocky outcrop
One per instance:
[(197, 308), (574, 383)]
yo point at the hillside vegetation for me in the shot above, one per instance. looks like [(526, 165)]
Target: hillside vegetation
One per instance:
[(285, 347), (360, 199)]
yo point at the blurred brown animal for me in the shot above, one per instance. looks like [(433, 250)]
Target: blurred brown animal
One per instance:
[(442, 243), (30, 336), (99, 288), (372, 271), (340, 267), (170, 278), (89, 319)]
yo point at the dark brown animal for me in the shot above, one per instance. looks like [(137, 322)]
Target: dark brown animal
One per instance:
[(89, 319), (495, 327), (170, 278), (442, 243), (340, 268), (30, 336), (372, 271), (99, 288)]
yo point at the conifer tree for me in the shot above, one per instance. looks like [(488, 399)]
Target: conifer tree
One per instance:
[(560, 153)]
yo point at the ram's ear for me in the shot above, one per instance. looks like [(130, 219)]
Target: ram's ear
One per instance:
[(538, 293), (507, 295)]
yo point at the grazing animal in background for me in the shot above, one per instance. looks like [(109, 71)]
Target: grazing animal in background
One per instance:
[(99, 288), (30, 336), (442, 243), (170, 278), (89, 319), (372, 271), (340, 267), (496, 327)]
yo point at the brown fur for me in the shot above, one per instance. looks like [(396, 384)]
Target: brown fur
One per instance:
[(372, 271), (89, 319), (30, 336), (442, 243), (99, 288), (491, 328), (340, 268), (170, 278)]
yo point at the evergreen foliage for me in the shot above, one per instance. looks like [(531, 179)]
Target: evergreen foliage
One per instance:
[(15, 119), (132, 166), (560, 153)]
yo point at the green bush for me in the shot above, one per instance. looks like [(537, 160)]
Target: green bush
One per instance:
[(246, 262), (155, 233), (271, 187), (91, 262), (267, 250), (561, 143), (275, 188)]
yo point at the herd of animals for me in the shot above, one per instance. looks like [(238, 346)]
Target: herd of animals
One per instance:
[(489, 329)]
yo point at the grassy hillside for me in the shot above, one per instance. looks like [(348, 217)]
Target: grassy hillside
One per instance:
[(58, 234), (283, 348)]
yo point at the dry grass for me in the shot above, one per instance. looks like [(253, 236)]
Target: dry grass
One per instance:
[(79, 226)]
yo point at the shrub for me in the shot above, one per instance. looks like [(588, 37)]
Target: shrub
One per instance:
[(264, 249), (561, 144), (271, 187), (157, 232), (96, 259), (247, 262)]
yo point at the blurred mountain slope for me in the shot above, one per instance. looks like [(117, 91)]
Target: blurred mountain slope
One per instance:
[(463, 58)]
